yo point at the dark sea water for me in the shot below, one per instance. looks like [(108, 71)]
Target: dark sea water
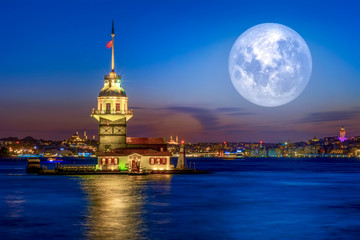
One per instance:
[(261, 198)]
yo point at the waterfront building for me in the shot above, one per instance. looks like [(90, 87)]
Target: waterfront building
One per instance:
[(141, 154), (356, 153), (310, 149), (116, 150)]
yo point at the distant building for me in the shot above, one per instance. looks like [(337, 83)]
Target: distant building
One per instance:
[(338, 152), (85, 136), (357, 153), (314, 140), (342, 134), (274, 152), (310, 149), (172, 141), (75, 139)]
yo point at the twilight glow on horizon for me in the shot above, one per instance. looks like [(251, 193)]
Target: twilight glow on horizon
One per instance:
[(173, 59)]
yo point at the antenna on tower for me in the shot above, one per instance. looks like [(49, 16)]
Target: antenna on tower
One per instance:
[(112, 57), (112, 32)]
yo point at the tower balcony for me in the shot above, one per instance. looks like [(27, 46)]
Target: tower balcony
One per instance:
[(112, 115), (117, 112)]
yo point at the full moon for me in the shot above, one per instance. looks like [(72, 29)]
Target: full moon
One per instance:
[(270, 64)]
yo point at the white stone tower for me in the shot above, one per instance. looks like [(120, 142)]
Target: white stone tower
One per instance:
[(112, 109)]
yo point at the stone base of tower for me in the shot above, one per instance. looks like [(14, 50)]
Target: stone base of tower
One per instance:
[(108, 143), (112, 134)]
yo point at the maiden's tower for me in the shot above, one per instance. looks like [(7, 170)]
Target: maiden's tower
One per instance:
[(116, 151), (112, 110)]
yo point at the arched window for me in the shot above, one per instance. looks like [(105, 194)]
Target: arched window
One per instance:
[(108, 107)]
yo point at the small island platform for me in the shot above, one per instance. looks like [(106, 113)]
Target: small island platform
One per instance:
[(118, 172), (92, 170)]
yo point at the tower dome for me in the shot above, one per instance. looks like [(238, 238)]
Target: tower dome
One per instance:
[(112, 86), (111, 92)]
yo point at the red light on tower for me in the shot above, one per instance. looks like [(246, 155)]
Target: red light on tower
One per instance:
[(182, 141)]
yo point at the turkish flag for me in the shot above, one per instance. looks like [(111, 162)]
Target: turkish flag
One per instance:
[(109, 44)]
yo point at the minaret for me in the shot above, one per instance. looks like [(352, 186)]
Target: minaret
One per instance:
[(112, 109)]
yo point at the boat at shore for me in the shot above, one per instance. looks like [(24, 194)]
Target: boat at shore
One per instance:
[(233, 155), (33, 165), (51, 159)]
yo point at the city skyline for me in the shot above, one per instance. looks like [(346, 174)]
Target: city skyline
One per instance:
[(173, 61)]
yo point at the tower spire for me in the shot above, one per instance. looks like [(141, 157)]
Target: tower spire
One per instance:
[(112, 58)]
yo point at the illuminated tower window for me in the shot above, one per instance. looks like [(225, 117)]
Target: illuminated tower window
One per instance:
[(118, 107), (108, 108)]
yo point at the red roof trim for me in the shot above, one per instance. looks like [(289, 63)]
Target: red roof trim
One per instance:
[(129, 151), (139, 140)]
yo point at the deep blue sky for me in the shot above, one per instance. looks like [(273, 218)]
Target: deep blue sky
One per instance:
[(173, 58)]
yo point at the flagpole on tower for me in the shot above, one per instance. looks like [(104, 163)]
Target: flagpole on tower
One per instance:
[(112, 59)]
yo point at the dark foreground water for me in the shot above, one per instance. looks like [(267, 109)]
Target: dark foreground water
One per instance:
[(243, 199)]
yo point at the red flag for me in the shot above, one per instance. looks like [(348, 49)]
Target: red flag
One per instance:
[(109, 44)]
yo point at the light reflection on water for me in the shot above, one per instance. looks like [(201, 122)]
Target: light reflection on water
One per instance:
[(116, 205), (15, 203), (249, 199)]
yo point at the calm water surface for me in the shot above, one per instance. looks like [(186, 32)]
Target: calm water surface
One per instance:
[(242, 199)]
